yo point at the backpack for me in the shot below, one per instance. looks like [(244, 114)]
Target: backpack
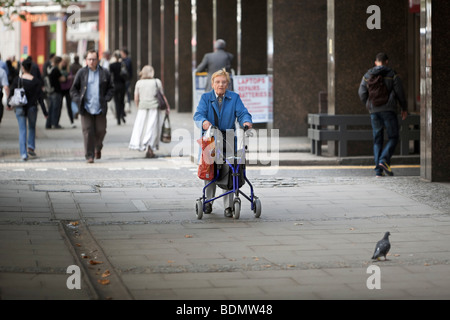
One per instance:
[(124, 71), (378, 92), (47, 84)]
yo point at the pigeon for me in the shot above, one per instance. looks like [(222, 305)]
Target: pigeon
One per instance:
[(382, 247)]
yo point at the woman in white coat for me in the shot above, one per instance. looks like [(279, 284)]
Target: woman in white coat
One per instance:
[(149, 119)]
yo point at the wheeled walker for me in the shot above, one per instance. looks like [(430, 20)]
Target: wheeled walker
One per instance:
[(230, 175)]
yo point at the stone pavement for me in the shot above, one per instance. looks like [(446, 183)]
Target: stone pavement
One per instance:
[(138, 238)]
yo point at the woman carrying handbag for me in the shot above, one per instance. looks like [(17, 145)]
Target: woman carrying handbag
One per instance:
[(27, 114), (149, 118)]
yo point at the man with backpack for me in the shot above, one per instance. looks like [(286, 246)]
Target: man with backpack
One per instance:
[(380, 91)]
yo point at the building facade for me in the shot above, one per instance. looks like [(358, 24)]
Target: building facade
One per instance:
[(312, 50)]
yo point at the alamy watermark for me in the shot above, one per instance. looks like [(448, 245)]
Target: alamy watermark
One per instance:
[(374, 280), (73, 281), (374, 21)]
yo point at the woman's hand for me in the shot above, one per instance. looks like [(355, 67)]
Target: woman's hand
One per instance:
[(206, 125)]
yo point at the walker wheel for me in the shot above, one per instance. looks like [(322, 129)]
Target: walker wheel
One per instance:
[(199, 209), (236, 208), (257, 207)]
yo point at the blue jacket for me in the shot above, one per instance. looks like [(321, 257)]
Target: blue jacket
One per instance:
[(232, 109)]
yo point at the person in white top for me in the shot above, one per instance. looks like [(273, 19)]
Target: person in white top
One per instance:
[(146, 128)]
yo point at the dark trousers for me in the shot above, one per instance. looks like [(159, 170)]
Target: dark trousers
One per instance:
[(94, 131), (119, 96), (384, 120), (66, 94), (1, 103), (54, 111)]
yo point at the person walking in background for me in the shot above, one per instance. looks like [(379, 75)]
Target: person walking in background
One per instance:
[(119, 86), (54, 94), (26, 115), (379, 90), (4, 85), (104, 62), (64, 67), (147, 125), (45, 68), (127, 60), (215, 61), (74, 67), (91, 90)]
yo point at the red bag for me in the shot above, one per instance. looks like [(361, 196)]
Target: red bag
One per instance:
[(206, 164)]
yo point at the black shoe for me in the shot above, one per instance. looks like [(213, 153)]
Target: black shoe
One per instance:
[(228, 213), (208, 208), (386, 168)]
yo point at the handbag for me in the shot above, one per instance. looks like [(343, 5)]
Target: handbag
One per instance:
[(19, 98), (166, 132), (160, 97), (206, 168)]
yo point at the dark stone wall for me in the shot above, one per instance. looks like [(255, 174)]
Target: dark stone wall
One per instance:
[(300, 62)]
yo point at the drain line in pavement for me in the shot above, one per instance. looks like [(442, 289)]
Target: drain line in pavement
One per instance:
[(104, 280)]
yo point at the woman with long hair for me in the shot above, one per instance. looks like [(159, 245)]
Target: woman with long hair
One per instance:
[(26, 115), (147, 125)]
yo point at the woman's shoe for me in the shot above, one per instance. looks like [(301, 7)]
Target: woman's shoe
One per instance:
[(150, 153)]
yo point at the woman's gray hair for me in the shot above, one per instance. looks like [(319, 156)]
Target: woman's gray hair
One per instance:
[(147, 72)]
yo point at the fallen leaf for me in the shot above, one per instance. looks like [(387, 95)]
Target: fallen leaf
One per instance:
[(103, 281), (78, 245), (74, 223), (396, 255), (170, 261), (291, 265), (93, 262), (188, 236), (426, 264), (106, 274)]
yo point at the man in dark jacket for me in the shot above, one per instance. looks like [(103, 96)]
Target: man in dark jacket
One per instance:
[(215, 61), (384, 115), (91, 90)]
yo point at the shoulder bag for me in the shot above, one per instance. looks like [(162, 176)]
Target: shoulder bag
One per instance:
[(160, 97), (19, 98)]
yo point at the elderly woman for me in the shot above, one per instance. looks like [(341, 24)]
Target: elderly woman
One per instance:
[(148, 122), (224, 106)]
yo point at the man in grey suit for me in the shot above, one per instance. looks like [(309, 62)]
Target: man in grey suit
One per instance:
[(215, 61)]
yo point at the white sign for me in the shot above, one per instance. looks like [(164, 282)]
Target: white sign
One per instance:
[(256, 94)]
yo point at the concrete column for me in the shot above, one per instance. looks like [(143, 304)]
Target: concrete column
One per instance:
[(254, 37), (60, 36), (204, 28), (353, 43), (226, 26), (168, 54), (184, 64), (155, 21), (299, 62), (434, 95)]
